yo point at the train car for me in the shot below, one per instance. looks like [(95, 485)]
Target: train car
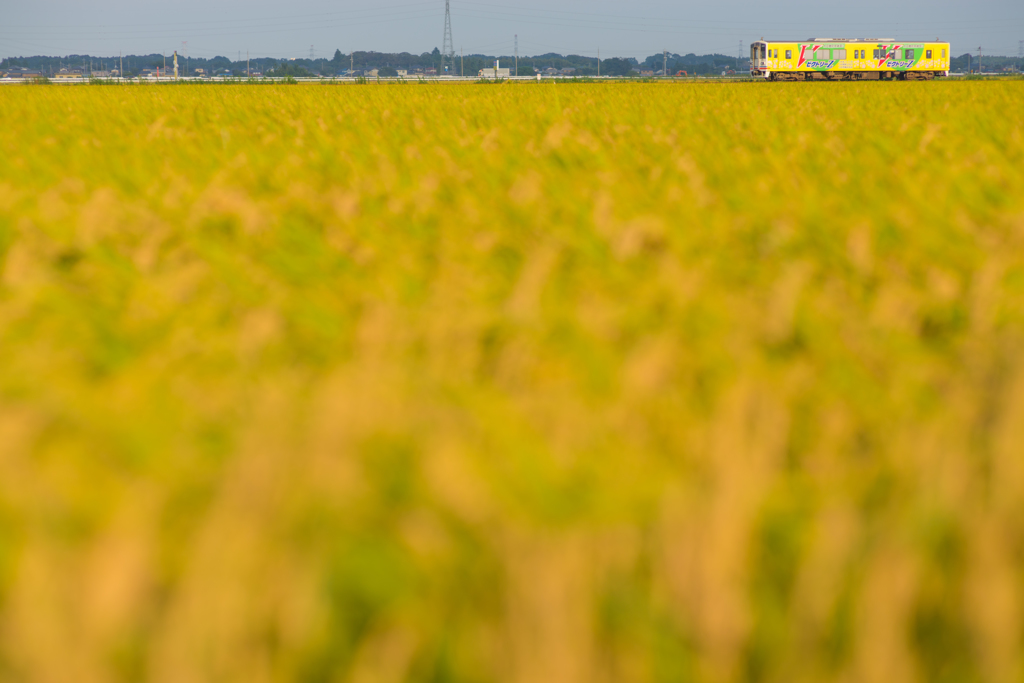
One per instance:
[(841, 59)]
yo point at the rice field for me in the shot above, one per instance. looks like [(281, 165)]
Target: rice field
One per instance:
[(524, 382)]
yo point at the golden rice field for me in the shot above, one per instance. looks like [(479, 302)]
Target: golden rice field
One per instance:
[(521, 383)]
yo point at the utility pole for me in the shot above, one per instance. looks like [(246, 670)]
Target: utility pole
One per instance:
[(462, 62), (664, 64), (120, 68), (599, 62), (517, 54), (352, 62), (979, 59), (447, 48), (247, 72)]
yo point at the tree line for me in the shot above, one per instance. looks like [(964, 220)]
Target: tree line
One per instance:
[(386, 63)]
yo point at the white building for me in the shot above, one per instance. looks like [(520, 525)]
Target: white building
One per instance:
[(496, 72)]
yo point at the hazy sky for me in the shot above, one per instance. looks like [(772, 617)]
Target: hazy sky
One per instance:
[(628, 29)]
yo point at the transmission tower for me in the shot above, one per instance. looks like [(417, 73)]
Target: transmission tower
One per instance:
[(312, 54), (447, 46)]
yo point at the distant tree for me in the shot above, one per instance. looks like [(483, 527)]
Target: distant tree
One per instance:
[(338, 57), (435, 53), (614, 66), (387, 72), (284, 69)]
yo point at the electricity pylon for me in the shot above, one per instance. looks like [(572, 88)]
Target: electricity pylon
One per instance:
[(447, 46)]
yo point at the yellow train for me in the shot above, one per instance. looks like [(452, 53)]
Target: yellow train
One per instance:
[(840, 59)]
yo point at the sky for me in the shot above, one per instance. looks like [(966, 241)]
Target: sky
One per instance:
[(271, 28)]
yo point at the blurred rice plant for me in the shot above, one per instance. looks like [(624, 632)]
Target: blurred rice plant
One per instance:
[(577, 382)]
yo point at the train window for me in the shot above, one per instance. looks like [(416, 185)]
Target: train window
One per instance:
[(943, 54), (875, 54), (908, 54), (789, 54), (776, 54), (927, 54), (839, 54), (763, 50)]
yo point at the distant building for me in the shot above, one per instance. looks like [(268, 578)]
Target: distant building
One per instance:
[(402, 73), (22, 72), (495, 73), (69, 73)]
